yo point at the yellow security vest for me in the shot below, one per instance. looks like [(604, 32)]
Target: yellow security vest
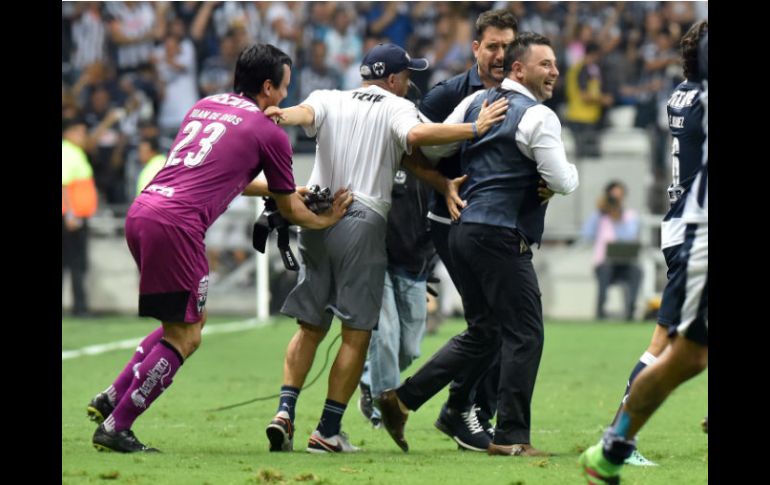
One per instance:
[(578, 110), (77, 181)]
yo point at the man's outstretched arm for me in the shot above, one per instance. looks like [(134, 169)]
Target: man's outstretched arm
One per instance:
[(302, 115)]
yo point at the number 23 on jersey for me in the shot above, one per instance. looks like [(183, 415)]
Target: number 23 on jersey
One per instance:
[(192, 130)]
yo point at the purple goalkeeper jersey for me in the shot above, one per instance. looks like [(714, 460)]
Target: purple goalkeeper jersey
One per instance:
[(225, 141)]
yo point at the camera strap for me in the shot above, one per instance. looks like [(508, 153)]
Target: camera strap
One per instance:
[(289, 261)]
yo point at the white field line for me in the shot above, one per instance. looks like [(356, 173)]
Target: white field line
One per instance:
[(133, 342)]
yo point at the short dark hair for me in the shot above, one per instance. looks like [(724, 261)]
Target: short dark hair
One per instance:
[(592, 48), (501, 19), (67, 123), (518, 48), (689, 47), (256, 64), (612, 184), (152, 141)]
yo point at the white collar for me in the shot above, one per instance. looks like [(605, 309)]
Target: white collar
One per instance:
[(380, 89), (509, 83)]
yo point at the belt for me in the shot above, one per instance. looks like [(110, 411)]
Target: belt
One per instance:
[(442, 220)]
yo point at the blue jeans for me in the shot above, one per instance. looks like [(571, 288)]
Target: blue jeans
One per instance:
[(395, 344)]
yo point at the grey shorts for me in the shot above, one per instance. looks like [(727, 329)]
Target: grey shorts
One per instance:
[(342, 272)]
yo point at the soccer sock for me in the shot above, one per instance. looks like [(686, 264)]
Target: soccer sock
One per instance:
[(616, 447), (600, 463), (288, 400), (118, 388), (154, 375), (329, 425), (645, 360)]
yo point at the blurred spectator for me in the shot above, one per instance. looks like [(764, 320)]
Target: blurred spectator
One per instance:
[(342, 43), (137, 104), (175, 62), (585, 102), (186, 11), (318, 24), (576, 49), (620, 67), (88, 35), (217, 71), (424, 16), (104, 144), (451, 53), (391, 21), (543, 18), (152, 161), (131, 28), (282, 25), (351, 78), (146, 130), (78, 203), (318, 75), (68, 14), (69, 105), (93, 76), (610, 223), (203, 32)]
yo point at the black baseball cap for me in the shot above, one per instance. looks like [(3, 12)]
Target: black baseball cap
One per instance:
[(385, 59)]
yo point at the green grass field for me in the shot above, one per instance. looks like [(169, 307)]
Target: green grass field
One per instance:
[(582, 374)]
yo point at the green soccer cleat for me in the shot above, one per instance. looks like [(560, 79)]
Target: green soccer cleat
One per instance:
[(596, 469)]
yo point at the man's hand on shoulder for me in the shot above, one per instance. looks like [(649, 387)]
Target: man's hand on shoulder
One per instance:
[(275, 113)]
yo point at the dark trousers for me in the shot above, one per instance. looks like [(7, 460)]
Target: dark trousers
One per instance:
[(464, 391), (502, 305), (74, 257), (629, 275)]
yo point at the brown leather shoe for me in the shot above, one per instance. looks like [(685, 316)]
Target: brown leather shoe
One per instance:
[(516, 450), (393, 418)]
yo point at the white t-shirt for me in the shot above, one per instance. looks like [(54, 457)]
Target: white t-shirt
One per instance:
[(360, 139)]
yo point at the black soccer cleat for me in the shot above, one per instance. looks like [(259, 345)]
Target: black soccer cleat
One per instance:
[(120, 441), (99, 408)]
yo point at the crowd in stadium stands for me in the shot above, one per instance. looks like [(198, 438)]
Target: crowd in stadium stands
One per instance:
[(132, 69)]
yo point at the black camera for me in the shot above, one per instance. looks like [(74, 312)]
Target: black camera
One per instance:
[(317, 200)]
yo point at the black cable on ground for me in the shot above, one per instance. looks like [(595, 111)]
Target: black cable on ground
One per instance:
[(273, 396)]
